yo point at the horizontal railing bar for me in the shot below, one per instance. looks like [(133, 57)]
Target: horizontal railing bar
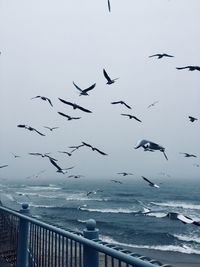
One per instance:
[(90, 243)]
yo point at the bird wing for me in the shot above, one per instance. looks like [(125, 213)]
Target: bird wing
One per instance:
[(147, 180), (21, 125), (109, 7), (156, 55), (89, 88), (49, 101), (126, 105), (66, 102), (106, 75), (83, 109), (136, 119), (77, 87), (54, 163), (167, 55), (3, 166), (86, 144), (101, 152), (181, 68), (65, 115), (116, 102), (37, 131), (128, 115), (165, 155), (36, 96)]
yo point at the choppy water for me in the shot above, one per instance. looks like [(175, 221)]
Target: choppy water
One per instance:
[(118, 210)]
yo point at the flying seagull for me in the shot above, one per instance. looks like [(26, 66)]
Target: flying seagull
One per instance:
[(95, 149), (3, 166), (69, 117), (59, 169), (30, 128), (149, 145), (121, 102), (76, 176), (15, 156), (116, 181), (75, 147), (190, 68), (75, 106), (131, 117), (84, 91), (125, 173), (65, 152), (188, 155), (51, 128), (43, 98), (192, 119), (159, 56), (45, 155), (153, 104), (109, 7), (150, 183), (109, 80)]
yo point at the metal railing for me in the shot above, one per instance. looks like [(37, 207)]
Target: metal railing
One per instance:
[(28, 242)]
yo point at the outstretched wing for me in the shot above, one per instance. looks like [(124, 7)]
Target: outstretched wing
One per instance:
[(3, 166), (126, 105), (63, 114), (77, 87), (37, 131), (109, 7), (89, 88), (54, 163), (66, 102), (136, 119), (156, 55), (147, 180), (83, 109), (101, 152), (128, 115), (181, 68), (49, 101), (106, 75), (165, 155)]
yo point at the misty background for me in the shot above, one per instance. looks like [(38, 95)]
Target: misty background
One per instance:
[(46, 45)]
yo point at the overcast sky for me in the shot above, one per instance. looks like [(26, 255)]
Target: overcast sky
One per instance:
[(46, 45)]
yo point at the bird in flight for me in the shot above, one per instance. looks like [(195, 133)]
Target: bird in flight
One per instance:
[(75, 148), (59, 169), (65, 152), (190, 68), (125, 173), (43, 98), (109, 80), (75, 106), (94, 149), (192, 119), (150, 146), (51, 128), (45, 155), (159, 56), (121, 102), (131, 117), (30, 128), (84, 91), (76, 176), (116, 181), (150, 183), (15, 156), (188, 155), (69, 117), (3, 166), (153, 104)]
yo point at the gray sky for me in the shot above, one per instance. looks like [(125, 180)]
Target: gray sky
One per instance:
[(46, 45)]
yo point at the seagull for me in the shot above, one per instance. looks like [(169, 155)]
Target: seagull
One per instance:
[(75, 147), (93, 192), (65, 152), (75, 106), (59, 169), (188, 155), (51, 128), (15, 156), (131, 117), (29, 128), (150, 183), (109, 7), (43, 98), (190, 68), (42, 155), (3, 166), (153, 104), (149, 145), (84, 91), (75, 176), (69, 117), (121, 102), (125, 173), (116, 181), (94, 149), (109, 80), (161, 55), (192, 119)]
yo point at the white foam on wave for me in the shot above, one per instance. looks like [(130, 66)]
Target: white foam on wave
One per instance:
[(10, 197), (42, 206), (175, 204), (156, 214), (119, 210), (173, 248), (41, 188), (188, 238)]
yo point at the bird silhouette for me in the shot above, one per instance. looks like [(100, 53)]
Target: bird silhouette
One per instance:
[(3, 166), (153, 104), (75, 106), (59, 169), (116, 181), (69, 117), (109, 80), (192, 119), (159, 56), (50, 128), (131, 117), (121, 102), (65, 152), (30, 128), (45, 155), (150, 183), (94, 149), (75, 176), (109, 6), (187, 155), (43, 98), (84, 91), (125, 173), (190, 68)]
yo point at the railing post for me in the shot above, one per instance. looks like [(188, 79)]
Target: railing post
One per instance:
[(22, 245), (90, 256)]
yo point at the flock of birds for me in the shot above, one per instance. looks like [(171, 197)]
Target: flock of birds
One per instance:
[(147, 145)]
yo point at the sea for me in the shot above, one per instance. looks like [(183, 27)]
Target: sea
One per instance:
[(118, 209)]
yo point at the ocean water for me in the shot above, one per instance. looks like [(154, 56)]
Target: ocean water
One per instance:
[(118, 210)]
